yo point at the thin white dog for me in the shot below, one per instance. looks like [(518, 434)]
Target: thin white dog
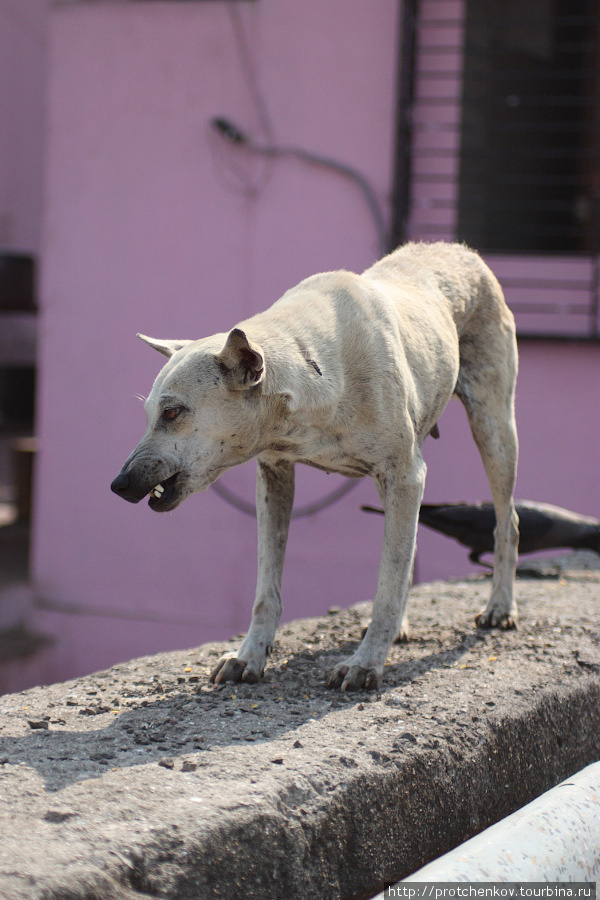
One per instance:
[(348, 373)]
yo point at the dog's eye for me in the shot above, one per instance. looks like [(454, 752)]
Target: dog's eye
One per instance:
[(171, 412)]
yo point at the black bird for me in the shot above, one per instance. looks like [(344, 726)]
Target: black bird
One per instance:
[(541, 526)]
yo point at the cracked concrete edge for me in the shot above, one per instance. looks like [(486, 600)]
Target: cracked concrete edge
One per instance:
[(555, 838), (423, 808), (366, 825)]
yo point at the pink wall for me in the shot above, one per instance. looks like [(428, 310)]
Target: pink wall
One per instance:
[(558, 390), (22, 76), (146, 230)]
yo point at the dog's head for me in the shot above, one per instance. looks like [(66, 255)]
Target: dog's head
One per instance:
[(203, 418)]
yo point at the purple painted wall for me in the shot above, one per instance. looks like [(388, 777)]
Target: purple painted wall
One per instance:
[(22, 79), (557, 391), (153, 225), (148, 228)]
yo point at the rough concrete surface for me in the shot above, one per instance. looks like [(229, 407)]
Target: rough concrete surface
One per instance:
[(146, 781)]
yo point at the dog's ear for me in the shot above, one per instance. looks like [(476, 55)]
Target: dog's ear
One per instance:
[(167, 348), (243, 361)]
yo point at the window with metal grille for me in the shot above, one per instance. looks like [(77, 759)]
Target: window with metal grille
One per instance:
[(499, 145), (529, 176)]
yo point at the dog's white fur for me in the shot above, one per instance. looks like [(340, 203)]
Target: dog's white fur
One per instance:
[(348, 373)]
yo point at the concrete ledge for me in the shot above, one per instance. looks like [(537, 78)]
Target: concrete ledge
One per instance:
[(143, 781)]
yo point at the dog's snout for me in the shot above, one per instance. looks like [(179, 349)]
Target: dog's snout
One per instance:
[(121, 483), (123, 488)]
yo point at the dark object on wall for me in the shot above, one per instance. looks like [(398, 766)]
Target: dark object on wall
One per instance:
[(542, 526), (17, 282)]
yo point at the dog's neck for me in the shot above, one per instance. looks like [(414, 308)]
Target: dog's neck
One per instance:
[(295, 375)]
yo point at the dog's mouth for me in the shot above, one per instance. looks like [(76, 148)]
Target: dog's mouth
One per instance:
[(165, 495)]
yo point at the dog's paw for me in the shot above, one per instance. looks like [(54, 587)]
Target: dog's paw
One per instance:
[(354, 678), (231, 668), (496, 618)]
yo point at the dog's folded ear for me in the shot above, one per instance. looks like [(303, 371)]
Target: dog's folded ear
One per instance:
[(242, 360), (167, 348)]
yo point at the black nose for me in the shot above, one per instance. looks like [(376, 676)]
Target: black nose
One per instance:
[(121, 483), (122, 486)]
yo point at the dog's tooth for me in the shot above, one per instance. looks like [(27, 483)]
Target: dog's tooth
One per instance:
[(158, 491)]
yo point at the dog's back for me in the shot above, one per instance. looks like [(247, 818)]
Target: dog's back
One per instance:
[(467, 284)]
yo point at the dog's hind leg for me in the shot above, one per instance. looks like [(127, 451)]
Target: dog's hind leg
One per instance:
[(402, 492), (487, 392), (499, 454), (274, 501)]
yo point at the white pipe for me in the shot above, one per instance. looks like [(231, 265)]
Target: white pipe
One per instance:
[(555, 838)]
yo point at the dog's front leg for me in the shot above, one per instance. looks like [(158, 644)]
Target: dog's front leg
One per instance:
[(402, 496), (274, 501)]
